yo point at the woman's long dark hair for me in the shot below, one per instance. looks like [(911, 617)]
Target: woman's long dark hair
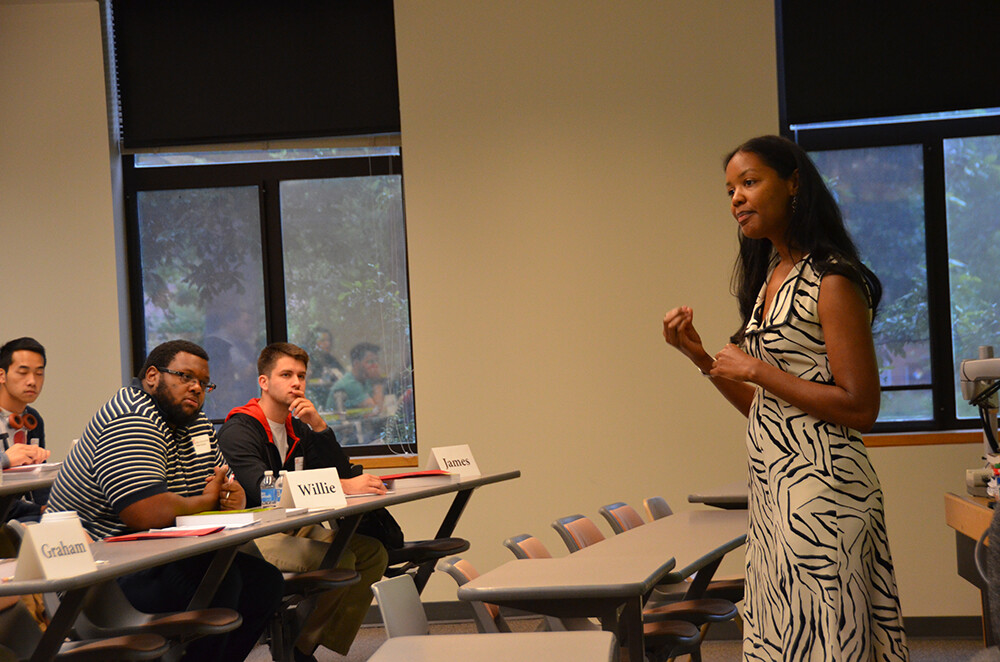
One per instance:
[(816, 227)]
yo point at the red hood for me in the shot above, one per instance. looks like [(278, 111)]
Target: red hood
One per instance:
[(252, 408)]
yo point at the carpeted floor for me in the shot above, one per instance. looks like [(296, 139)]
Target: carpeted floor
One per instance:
[(921, 650)]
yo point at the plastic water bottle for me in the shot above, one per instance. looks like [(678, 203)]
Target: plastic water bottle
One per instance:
[(269, 496), (280, 484)]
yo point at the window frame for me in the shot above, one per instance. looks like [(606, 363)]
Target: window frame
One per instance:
[(266, 177), (930, 135)]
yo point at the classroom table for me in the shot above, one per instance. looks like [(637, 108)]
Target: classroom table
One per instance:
[(589, 646), (618, 572), (732, 496), (115, 559), (18, 481), (970, 516)]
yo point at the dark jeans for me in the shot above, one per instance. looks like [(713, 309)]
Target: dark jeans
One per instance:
[(253, 587)]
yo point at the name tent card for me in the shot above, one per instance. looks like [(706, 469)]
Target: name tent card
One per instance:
[(456, 459), (313, 488), (53, 549)]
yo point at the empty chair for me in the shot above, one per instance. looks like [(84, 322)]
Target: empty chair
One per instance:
[(107, 613), (300, 586), (20, 634), (526, 546), (488, 618), (670, 630), (621, 516), (657, 508), (577, 532), (400, 606), (417, 558)]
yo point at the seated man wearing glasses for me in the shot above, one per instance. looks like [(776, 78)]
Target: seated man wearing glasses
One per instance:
[(147, 456)]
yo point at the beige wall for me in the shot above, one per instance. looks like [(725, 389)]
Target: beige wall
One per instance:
[(563, 190), (56, 225)]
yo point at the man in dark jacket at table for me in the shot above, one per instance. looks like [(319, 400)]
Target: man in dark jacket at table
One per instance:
[(268, 434)]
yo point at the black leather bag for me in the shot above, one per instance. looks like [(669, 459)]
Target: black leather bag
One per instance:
[(381, 525)]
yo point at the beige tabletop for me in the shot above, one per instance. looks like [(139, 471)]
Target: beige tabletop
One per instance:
[(730, 496), (694, 539), (619, 571), (119, 558), (590, 646)]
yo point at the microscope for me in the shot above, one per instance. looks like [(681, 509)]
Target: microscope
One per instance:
[(980, 381)]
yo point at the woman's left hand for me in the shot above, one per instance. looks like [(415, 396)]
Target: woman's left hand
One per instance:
[(733, 363)]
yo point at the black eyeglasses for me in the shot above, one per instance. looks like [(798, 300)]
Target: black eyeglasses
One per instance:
[(185, 378)]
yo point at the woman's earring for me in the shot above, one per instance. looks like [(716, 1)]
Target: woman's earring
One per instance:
[(794, 203)]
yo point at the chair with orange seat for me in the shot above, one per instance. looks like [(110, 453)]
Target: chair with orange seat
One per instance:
[(488, 618)]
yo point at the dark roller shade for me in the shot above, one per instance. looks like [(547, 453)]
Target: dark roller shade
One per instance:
[(211, 71), (854, 59)]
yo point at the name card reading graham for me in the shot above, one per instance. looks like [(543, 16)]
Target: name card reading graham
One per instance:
[(456, 459), (313, 488), (53, 550)]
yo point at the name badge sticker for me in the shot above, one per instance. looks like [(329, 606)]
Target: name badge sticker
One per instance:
[(202, 444), (53, 550), (456, 459), (313, 488)]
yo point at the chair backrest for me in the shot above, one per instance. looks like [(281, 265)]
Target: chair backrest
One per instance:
[(527, 546), (621, 516), (657, 508), (488, 618), (577, 532), (398, 601), (18, 630)]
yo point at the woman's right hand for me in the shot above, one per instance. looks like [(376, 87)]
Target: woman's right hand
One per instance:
[(678, 330)]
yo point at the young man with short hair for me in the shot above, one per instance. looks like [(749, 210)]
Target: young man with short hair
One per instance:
[(268, 434), (364, 386), (147, 456), (22, 430)]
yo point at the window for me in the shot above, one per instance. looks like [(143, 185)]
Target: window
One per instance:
[(233, 250), (919, 195)]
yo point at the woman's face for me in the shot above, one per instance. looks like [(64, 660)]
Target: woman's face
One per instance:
[(759, 198)]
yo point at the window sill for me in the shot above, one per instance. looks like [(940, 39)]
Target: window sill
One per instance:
[(923, 438), (386, 462)]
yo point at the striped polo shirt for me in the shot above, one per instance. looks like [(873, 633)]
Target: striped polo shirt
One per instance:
[(129, 453)]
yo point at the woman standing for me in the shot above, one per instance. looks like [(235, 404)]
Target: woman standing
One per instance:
[(802, 368)]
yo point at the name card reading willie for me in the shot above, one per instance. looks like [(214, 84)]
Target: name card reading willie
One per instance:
[(313, 488), (53, 550), (456, 459)]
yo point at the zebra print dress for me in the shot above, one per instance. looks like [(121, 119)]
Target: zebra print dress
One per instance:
[(820, 583)]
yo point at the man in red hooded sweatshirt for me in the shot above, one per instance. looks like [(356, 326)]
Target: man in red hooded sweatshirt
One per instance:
[(268, 434)]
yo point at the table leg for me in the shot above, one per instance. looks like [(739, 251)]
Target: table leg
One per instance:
[(7, 503), (631, 624), (454, 513), (701, 580), (69, 609), (345, 529), (213, 578)]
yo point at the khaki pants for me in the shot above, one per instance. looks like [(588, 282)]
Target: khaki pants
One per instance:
[(337, 616)]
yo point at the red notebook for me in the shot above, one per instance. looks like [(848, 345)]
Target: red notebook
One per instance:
[(428, 478), (165, 533)]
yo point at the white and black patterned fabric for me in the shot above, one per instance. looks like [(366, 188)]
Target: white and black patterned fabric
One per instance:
[(819, 579), (128, 453)]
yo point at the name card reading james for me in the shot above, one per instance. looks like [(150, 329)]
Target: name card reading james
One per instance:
[(53, 550), (456, 459), (313, 488)]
